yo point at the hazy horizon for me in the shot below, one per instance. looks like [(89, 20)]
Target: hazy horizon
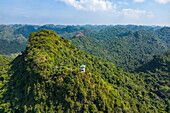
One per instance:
[(91, 25)]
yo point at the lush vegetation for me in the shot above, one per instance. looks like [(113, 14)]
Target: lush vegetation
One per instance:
[(126, 49), (12, 46), (127, 46), (4, 76), (160, 62), (46, 78), (156, 74), (10, 42)]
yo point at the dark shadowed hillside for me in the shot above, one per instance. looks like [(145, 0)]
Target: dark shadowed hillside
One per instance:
[(158, 63), (156, 74)]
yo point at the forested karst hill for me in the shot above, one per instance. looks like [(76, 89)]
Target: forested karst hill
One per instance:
[(128, 46), (156, 74), (46, 78), (164, 35), (127, 49), (160, 62)]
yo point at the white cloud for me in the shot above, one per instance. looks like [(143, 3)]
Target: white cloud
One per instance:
[(131, 13), (159, 1), (135, 14), (105, 5), (123, 3), (90, 5), (162, 1), (138, 0)]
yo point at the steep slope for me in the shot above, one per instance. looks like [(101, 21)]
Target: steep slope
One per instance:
[(46, 78), (6, 32), (126, 49), (125, 45), (156, 74), (8, 47), (25, 30), (159, 62), (9, 41), (4, 67), (164, 35), (4, 61), (108, 33)]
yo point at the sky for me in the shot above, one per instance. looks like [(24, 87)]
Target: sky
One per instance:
[(81, 12)]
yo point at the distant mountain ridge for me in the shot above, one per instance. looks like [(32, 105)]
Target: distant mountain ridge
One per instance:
[(127, 49), (125, 45)]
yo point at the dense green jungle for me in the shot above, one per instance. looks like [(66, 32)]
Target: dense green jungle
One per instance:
[(127, 46), (127, 69)]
